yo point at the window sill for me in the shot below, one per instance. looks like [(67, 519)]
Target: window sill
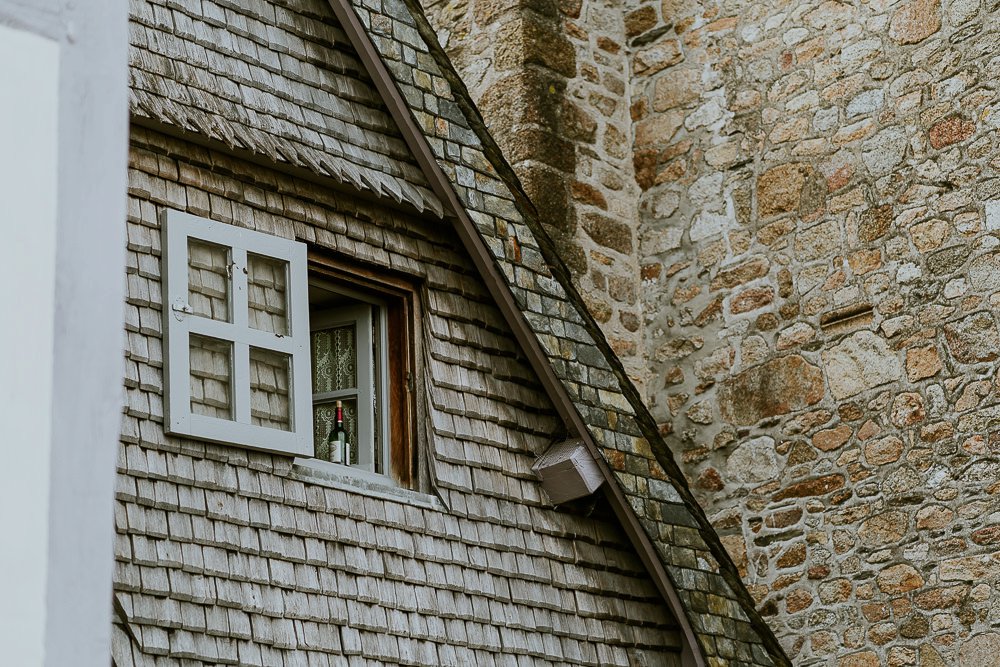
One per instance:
[(355, 480)]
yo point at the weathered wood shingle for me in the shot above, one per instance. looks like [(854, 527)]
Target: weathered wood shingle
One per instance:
[(225, 556), (273, 78), (279, 80)]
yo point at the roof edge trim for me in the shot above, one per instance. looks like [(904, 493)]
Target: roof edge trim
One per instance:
[(661, 450), (497, 286)]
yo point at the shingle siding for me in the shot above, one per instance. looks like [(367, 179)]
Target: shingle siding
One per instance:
[(277, 78), (488, 573), (229, 556)]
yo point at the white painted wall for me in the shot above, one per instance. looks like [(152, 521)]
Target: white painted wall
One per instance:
[(63, 142), (29, 123)]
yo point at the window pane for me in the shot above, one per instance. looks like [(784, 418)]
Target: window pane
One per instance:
[(334, 359), (208, 279), (211, 377), (269, 382), (324, 416), (268, 295)]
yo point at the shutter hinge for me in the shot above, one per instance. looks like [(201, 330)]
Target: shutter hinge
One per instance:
[(181, 308)]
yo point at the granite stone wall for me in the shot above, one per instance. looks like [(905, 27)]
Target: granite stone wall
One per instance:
[(814, 240)]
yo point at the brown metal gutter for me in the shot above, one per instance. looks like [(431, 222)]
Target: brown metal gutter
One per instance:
[(525, 336)]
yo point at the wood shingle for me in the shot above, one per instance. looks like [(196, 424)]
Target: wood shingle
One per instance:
[(227, 556)]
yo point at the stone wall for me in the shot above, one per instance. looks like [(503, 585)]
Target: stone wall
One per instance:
[(551, 80), (821, 273), (819, 270)]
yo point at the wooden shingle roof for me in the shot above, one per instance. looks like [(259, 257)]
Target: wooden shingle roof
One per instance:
[(276, 78)]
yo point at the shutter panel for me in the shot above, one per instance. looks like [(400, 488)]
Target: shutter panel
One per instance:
[(236, 324)]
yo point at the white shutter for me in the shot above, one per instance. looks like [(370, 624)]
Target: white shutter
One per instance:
[(240, 302)]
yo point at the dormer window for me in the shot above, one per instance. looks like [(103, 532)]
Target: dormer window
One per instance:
[(263, 342)]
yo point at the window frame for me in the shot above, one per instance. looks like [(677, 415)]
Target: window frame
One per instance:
[(371, 377), (180, 323), (398, 298)]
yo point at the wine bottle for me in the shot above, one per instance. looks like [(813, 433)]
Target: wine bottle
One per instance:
[(339, 436), (331, 450)]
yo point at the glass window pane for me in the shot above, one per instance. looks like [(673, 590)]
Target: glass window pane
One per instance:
[(208, 279), (324, 416), (334, 359), (269, 395), (267, 294), (211, 377)]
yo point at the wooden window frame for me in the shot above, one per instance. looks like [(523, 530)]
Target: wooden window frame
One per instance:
[(397, 297)]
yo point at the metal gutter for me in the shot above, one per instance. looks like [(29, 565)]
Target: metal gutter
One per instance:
[(498, 288)]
